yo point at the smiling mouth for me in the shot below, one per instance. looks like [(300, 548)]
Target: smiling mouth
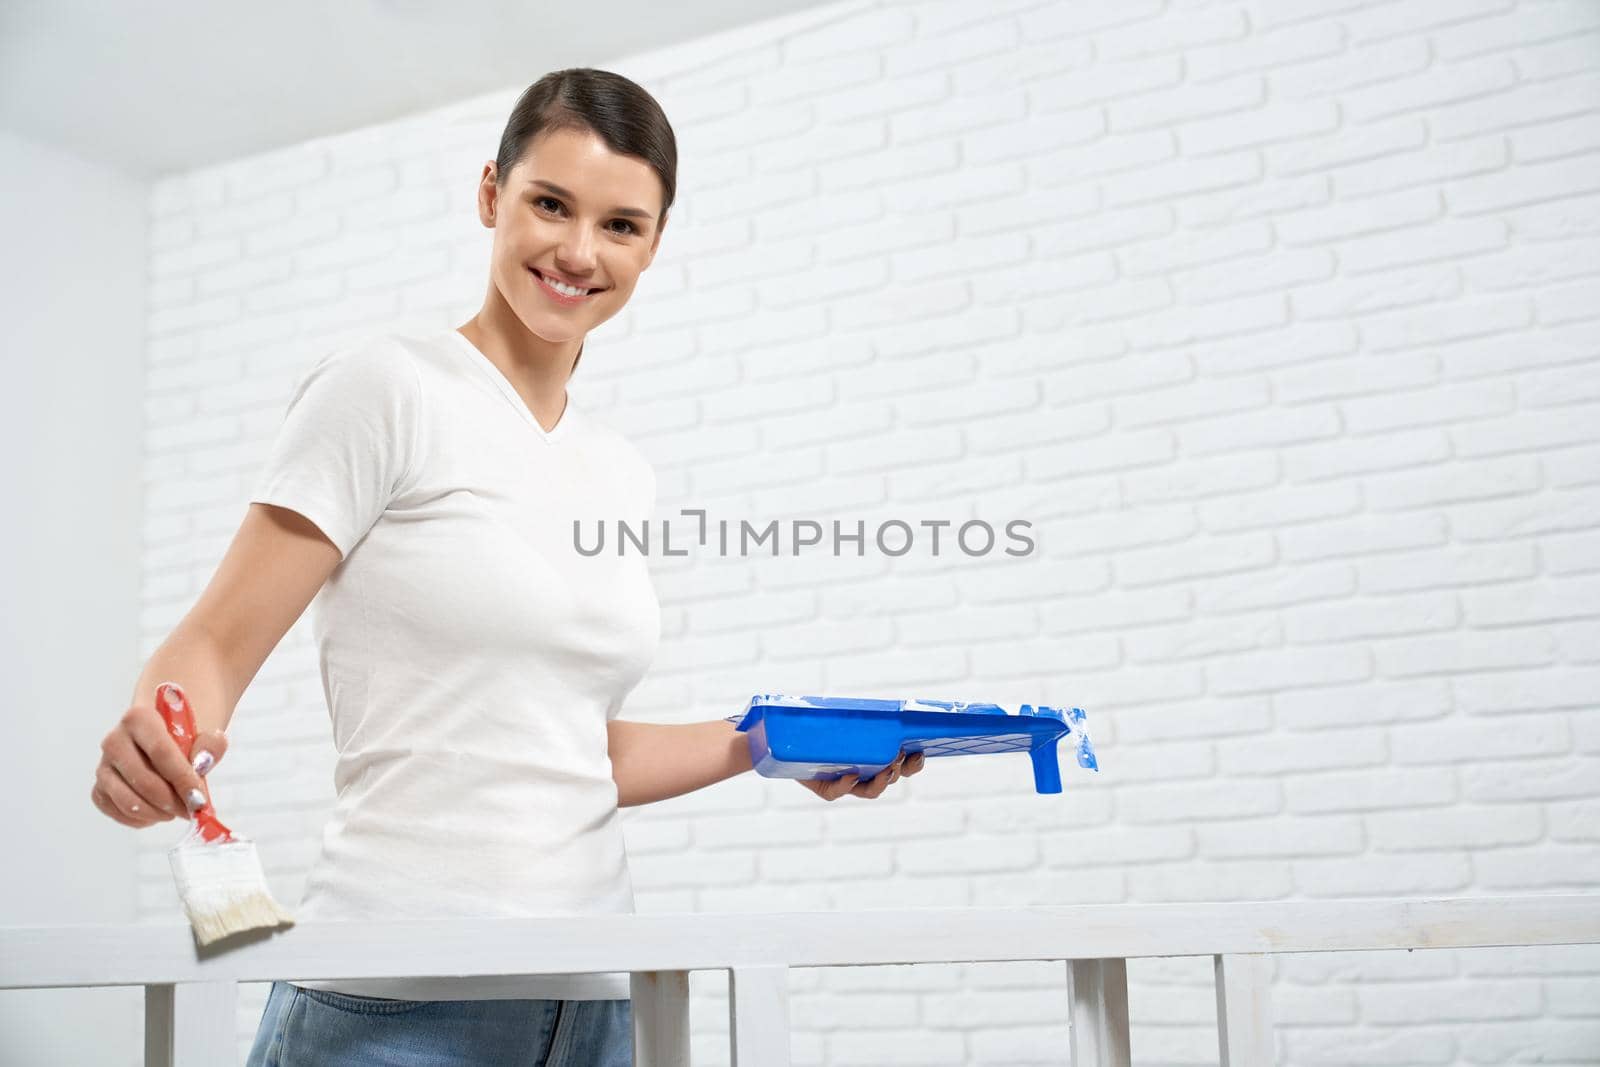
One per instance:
[(537, 274)]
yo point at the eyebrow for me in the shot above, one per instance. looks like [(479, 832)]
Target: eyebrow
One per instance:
[(638, 213)]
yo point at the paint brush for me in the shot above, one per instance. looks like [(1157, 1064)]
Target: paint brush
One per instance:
[(219, 875)]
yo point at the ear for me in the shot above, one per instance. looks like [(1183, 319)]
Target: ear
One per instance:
[(488, 195)]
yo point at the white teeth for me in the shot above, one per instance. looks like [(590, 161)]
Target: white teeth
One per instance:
[(561, 287)]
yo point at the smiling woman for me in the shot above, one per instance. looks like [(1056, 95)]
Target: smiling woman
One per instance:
[(473, 663), (578, 196)]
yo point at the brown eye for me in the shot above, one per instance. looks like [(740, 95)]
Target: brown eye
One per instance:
[(631, 228)]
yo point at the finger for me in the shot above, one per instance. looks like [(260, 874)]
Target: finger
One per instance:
[(131, 780), (125, 798), (914, 763), (115, 788), (165, 758), (823, 787), (209, 748), (109, 810), (865, 787), (874, 786), (125, 756), (840, 786), (885, 778)]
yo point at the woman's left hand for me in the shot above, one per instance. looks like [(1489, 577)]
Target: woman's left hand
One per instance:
[(904, 766)]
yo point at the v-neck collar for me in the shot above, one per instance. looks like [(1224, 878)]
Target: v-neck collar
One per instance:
[(509, 391)]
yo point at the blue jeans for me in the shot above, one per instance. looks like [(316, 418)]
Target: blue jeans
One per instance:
[(317, 1028)]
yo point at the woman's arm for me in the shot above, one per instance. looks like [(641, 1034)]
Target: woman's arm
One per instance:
[(652, 761)]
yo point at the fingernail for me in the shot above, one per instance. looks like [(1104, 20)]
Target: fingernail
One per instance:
[(203, 762), (195, 799)]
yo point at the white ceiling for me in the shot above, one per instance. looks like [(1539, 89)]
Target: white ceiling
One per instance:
[(170, 85)]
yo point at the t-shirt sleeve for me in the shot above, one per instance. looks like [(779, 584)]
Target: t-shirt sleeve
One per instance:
[(347, 443)]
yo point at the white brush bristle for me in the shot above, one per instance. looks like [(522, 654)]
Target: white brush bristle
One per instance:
[(224, 890)]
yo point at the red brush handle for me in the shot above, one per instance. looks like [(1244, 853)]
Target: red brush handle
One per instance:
[(175, 712)]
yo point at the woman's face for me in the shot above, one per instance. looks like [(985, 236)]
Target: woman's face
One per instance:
[(567, 209)]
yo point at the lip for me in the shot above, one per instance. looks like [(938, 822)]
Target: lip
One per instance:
[(576, 284)]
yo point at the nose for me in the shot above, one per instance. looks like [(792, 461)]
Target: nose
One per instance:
[(575, 254)]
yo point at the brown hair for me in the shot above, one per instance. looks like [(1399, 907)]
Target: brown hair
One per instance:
[(620, 112)]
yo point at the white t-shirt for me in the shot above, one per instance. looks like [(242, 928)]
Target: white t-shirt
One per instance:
[(471, 656)]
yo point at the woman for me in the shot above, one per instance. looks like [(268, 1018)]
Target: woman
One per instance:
[(426, 485)]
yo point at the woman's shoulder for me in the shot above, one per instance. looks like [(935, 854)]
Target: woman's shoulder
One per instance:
[(374, 357), (361, 373)]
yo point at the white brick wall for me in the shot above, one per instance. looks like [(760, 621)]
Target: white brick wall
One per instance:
[(1279, 319)]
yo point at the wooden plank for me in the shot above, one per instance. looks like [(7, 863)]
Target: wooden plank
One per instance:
[(1099, 992), (758, 1016), (191, 1024), (140, 954), (660, 1018), (1244, 1010)]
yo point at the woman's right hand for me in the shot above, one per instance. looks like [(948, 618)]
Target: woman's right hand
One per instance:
[(143, 776)]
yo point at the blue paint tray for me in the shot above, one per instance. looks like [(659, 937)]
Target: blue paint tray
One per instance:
[(828, 737)]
